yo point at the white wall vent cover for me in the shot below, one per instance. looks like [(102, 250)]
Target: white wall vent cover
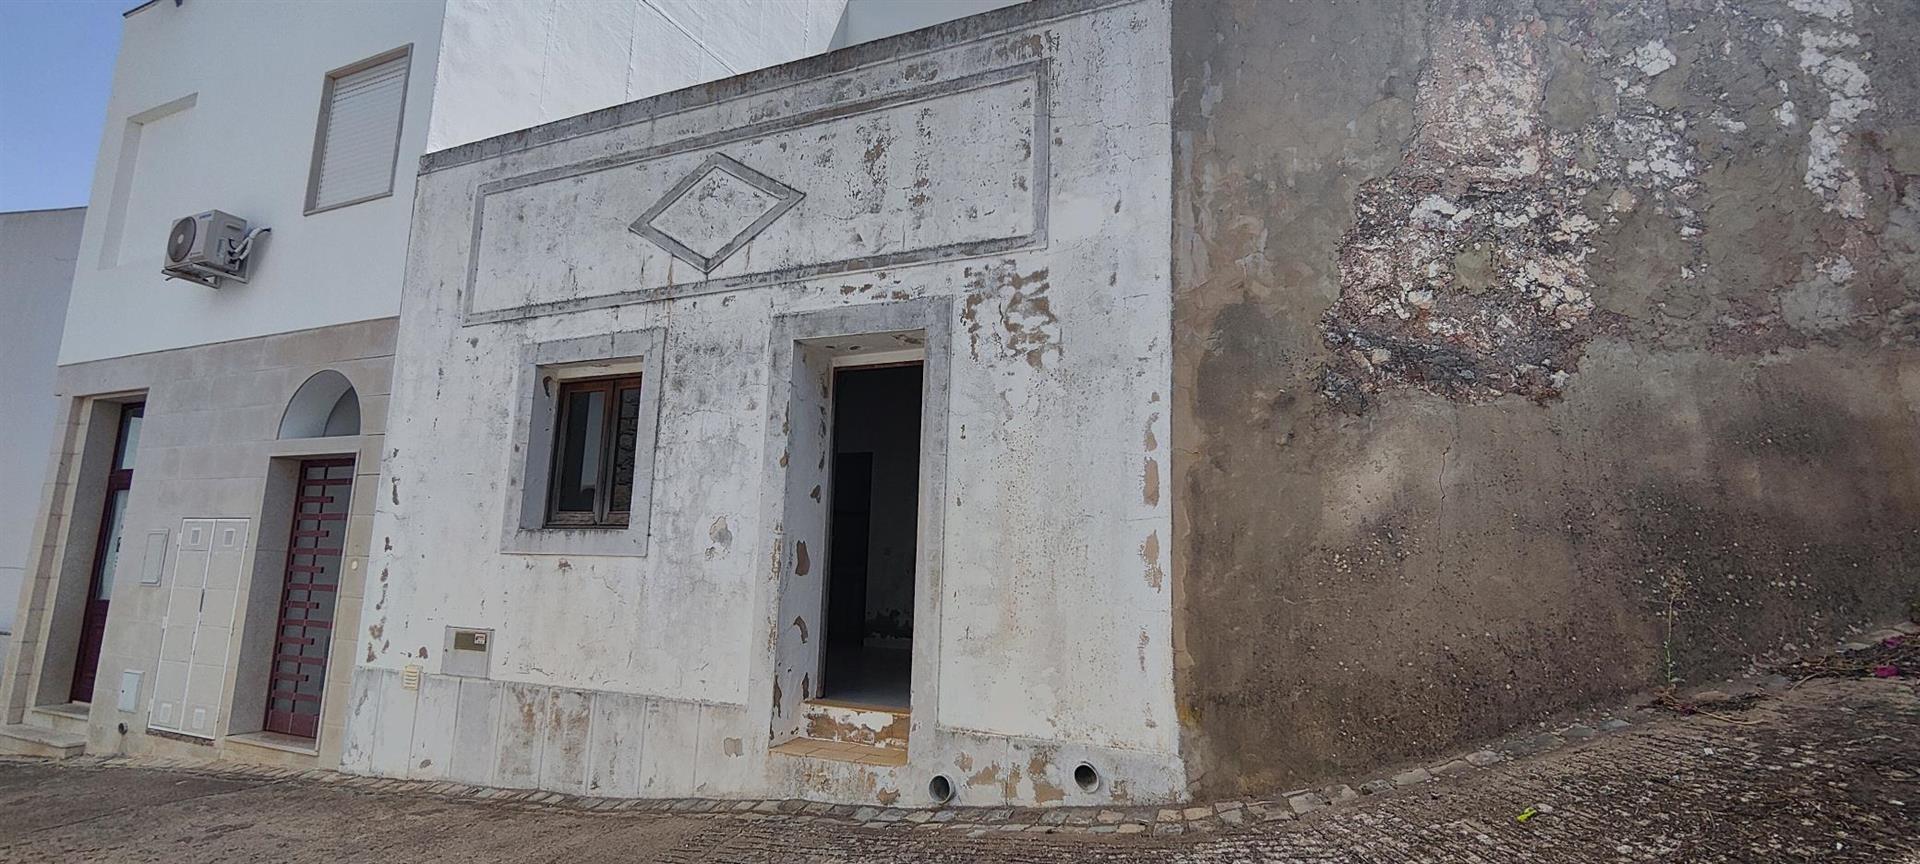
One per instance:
[(359, 134)]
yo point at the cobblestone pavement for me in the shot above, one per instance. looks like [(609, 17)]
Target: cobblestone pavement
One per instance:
[(1821, 770)]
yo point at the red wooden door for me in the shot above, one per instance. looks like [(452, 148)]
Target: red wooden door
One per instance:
[(106, 554), (314, 547)]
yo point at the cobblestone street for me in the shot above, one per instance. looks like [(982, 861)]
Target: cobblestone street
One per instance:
[(1828, 770)]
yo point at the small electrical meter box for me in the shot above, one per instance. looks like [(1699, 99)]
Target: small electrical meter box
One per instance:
[(468, 654)]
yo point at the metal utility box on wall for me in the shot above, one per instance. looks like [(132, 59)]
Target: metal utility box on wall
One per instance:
[(202, 602), (129, 691), (468, 653)]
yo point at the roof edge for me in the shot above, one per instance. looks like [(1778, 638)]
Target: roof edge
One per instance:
[(899, 46), (42, 210)]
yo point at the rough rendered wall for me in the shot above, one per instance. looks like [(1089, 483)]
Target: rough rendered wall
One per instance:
[(1008, 171), (1529, 354)]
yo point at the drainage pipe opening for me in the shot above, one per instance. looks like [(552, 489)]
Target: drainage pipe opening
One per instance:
[(1086, 777), (940, 789)]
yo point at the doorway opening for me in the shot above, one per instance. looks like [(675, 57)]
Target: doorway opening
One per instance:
[(106, 553), (872, 532)]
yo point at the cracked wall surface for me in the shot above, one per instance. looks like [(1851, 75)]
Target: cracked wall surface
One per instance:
[(1528, 354)]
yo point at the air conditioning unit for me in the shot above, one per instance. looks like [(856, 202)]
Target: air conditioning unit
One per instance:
[(208, 247)]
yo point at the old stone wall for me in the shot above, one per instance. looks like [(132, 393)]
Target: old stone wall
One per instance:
[(1528, 354)]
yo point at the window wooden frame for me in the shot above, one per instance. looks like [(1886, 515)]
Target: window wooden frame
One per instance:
[(325, 117), (602, 515), (528, 455)]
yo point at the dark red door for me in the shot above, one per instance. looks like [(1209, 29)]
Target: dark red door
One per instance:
[(314, 546), (106, 554)]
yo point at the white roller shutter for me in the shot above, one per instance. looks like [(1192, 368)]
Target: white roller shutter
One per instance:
[(359, 136)]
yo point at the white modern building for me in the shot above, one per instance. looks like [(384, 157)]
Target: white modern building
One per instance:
[(37, 251), (199, 553)]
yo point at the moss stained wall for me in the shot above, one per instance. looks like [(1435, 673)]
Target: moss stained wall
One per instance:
[(1529, 354)]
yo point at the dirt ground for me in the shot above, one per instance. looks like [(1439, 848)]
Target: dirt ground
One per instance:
[(1828, 770)]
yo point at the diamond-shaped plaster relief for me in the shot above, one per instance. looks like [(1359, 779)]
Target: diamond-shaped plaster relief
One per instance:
[(717, 208)]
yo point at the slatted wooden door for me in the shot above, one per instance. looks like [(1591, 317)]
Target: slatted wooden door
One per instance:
[(314, 548)]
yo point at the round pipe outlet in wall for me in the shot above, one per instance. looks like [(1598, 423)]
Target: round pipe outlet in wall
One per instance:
[(1086, 777), (940, 789)]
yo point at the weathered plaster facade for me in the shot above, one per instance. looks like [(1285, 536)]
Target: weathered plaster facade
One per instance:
[(1529, 354), (978, 196)]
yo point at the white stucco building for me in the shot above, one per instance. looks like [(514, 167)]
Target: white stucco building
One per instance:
[(199, 550), (794, 435), (37, 251)]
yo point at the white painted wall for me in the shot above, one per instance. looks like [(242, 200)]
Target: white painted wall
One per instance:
[(867, 20), (37, 250), (214, 105), (511, 64), (1052, 639)]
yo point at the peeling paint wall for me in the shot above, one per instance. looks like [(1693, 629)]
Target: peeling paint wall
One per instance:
[(1529, 354), (1003, 169)]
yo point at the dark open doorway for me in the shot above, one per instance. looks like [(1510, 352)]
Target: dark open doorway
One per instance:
[(872, 534)]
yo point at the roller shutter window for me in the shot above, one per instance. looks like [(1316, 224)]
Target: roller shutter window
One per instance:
[(357, 142)]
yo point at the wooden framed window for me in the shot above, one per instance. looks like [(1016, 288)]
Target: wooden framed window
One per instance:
[(590, 483)]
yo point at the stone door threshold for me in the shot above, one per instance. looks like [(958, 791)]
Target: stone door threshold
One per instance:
[(842, 751), (278, 741), (73, 710)]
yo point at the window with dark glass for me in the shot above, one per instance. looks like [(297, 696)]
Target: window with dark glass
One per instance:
[(591, 483)]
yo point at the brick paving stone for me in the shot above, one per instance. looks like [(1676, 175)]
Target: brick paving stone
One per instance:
[(1197, 812), (1169, 815), (1484, 758), (1306, 802), (1276, 813)]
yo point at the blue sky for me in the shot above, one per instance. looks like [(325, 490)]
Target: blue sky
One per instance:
[(56, 68)]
